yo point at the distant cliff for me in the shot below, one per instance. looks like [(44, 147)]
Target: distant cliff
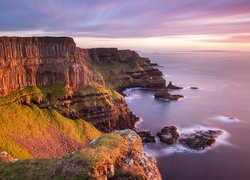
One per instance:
[(125, 69), (29, 61)]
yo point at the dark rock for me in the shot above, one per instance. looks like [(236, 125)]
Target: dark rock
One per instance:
[(168, 135), (164, 94), (200, 140), (194, 88), (146, 137), (171, 86)]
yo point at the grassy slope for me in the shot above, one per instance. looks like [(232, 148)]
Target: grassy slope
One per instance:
[(20, 123), (85, 164), (118, 68)]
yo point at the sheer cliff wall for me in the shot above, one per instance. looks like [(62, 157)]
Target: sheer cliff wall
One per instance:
[(29, 61)]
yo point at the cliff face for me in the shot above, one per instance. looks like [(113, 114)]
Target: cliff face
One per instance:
[(43, 61), (125, 69)]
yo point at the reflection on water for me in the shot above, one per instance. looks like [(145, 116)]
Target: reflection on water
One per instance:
[(221, 102)]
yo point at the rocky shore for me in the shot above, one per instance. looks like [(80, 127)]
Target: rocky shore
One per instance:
[(196, 140)]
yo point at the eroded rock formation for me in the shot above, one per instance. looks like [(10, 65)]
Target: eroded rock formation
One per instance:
[(43, 61)]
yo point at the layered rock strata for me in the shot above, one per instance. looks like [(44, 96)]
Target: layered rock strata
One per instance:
[(43, 61)]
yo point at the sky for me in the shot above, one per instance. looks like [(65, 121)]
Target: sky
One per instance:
[(143, 25)]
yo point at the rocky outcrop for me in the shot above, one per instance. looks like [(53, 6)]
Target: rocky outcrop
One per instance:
[(43, 61), (118, 155), (168, 135), (172, 86), (125, 69), (104, 111), (146, 137), (164, 94), (200, 140)]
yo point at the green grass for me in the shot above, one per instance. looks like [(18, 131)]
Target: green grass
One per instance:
[(118, 68), (28, 169), (104, 150), (108, 97), (31, 122)]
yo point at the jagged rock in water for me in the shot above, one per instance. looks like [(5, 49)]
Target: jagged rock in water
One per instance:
[(164, 94), (200, 140), (172, 86), (146, 137), (30, 61), (168, 134), (194, 87)]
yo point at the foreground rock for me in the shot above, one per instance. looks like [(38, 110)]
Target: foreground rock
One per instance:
[(6, 157), (172, 86), (164, 94), (168, 135), (200, 140), (146, 137), (118, 155)]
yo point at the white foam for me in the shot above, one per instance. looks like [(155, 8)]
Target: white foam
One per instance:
[(226, 119), (160, 149), (138, 124), (130, 97)]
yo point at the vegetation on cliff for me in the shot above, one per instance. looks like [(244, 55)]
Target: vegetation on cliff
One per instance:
[(28, 131), (118, 154), (124, 69)]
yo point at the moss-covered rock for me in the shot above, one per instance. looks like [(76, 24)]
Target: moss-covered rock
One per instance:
[(119, 154)]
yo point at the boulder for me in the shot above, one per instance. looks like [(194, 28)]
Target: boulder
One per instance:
[(168, 134), (146, 137), (200, 140)]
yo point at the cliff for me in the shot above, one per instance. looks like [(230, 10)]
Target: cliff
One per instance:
[(51, 95), (125, 69), (43, 61), (118, 155)]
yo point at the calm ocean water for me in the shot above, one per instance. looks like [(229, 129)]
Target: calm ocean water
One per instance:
[(224, 82)]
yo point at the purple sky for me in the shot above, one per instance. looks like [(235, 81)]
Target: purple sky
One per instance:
[(213, 21)]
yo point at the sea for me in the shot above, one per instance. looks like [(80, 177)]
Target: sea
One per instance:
[(222, 102)]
